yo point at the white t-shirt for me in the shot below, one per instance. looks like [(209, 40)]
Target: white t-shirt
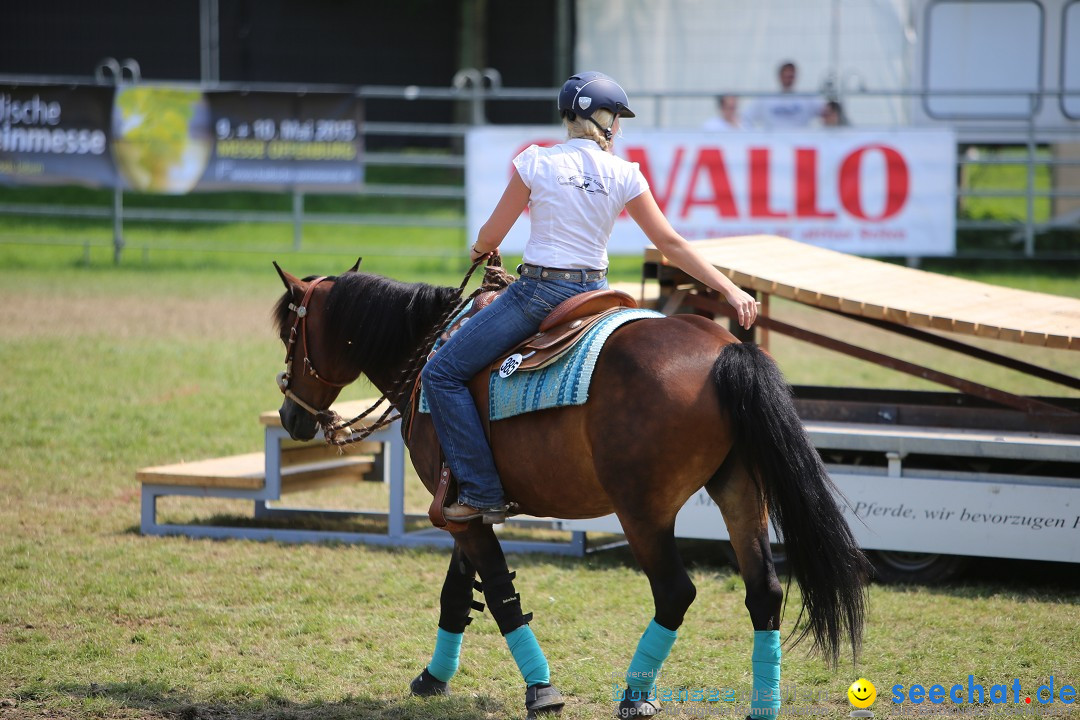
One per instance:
[(576, 190), (785, 111)]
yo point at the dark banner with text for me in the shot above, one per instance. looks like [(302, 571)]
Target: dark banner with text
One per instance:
[(175, 140), (55, 135)]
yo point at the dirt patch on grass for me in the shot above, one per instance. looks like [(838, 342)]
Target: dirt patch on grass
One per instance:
[(42, 315)]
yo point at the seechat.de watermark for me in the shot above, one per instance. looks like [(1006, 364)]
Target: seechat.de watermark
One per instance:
[(973, 693)]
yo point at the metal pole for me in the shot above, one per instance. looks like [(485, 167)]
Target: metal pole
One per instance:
[(298, 219), (564, 53), (1029, 223), (209, 43), (204, 41), (478, 103), (215, 42), (118, 222), (833, 81)]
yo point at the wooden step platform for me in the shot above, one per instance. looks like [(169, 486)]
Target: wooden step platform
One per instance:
[(308, 469)]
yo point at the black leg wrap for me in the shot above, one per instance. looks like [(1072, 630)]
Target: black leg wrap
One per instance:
[(457, 596), (504, 603)]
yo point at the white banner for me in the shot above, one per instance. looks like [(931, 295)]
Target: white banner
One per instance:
[(867, 192), (911, 514)]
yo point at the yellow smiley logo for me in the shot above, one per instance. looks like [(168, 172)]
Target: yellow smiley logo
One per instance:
[(862, 693)]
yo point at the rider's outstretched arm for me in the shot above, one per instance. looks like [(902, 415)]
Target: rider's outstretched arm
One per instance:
[(646, 213)]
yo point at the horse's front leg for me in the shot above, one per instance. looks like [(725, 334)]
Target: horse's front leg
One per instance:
[(454, 605), (479, 544)]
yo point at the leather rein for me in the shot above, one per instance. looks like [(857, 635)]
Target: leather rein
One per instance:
[(337, 431)]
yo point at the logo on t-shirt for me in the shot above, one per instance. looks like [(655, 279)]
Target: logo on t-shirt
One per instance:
[(589, 183)]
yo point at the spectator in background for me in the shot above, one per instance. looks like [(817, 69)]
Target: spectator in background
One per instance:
[(833, 115), (785, 111), (728, 117)]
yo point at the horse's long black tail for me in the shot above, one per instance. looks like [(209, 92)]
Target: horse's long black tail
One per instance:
[(769, 437)]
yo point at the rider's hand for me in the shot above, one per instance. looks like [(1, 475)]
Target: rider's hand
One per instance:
[(746, 307), (475, 254)]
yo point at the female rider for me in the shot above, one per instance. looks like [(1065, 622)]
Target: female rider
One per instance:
[(574, 191)]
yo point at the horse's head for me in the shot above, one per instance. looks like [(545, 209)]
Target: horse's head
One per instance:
[(315, 368)]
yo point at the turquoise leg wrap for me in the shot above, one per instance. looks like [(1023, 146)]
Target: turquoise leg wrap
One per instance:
[(652, 651), (528, 656), (765, 702), (444, 661)]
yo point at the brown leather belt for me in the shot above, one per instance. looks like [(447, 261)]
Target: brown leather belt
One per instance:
[(545, 273)]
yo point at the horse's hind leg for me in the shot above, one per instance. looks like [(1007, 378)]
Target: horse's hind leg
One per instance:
[(454, 605), (673, 592), (479, 544), (747, 520)]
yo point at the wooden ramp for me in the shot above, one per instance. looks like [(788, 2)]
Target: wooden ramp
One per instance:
[(893, 293)]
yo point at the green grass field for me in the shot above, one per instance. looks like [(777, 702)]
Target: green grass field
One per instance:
[(170, 356)]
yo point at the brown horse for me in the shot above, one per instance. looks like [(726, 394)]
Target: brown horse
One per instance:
[(676, 404)]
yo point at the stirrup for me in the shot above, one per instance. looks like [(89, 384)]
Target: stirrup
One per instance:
[(490, 516), (495, 517)]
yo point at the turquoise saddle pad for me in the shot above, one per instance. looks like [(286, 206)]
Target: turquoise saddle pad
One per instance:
[(564, 382)]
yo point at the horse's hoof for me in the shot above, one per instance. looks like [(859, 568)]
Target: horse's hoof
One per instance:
[(427, 685), (637, 707), (543, 699)]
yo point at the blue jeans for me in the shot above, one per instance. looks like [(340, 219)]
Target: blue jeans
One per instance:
[(510, 319)]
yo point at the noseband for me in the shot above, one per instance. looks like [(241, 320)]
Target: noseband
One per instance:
[(299, 327)]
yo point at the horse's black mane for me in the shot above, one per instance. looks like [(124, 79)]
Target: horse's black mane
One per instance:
[(380, 321)]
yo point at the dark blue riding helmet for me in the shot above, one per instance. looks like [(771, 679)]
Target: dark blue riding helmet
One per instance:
[(585, 92)]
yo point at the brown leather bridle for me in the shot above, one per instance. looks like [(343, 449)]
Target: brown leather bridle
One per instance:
[(299, 327), (335, 430)]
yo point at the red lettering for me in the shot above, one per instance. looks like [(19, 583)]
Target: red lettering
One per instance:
[(806, 185), (759, 185), (897, 182), (711, 160), (638, 155)]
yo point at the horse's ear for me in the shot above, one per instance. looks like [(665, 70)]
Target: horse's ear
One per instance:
[(356, 265), (289, 280)]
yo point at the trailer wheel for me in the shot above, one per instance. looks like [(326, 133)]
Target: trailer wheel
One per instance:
[(891, 566)]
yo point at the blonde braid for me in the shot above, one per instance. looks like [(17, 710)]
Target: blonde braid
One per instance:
[(583, 128)]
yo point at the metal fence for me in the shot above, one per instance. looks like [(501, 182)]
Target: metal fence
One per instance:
[(1022, 140)]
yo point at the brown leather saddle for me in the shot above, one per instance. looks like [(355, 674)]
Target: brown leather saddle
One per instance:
[(558, 333), (560, 329)]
